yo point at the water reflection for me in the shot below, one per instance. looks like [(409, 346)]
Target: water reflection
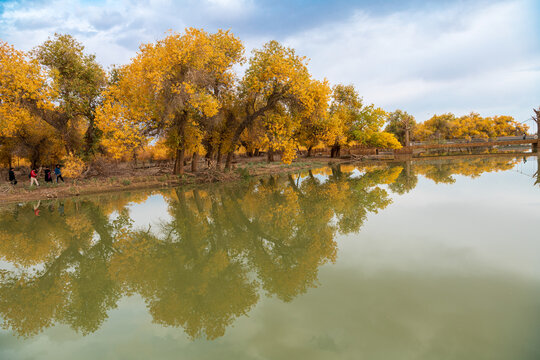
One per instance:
[(224, 247)]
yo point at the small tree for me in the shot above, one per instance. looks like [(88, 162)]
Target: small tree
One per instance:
[(402, 125)]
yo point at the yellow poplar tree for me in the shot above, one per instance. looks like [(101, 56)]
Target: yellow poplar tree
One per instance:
[(21, 82), (313, 123), (276, 76), (165, 84)]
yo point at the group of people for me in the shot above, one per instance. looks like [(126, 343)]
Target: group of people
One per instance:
[(34, 175)]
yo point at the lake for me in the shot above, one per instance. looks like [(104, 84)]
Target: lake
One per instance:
[(429, 259)]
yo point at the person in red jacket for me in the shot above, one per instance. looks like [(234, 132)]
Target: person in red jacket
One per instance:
[(33, 177)]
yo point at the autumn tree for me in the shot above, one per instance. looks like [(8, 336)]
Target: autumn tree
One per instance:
[(344, 111), (275, 80), (79, 81), (23, 82), (165, 88), (311, 130), (367, 129), (402, 125), (352, 121), (436, 128), (470, 126)]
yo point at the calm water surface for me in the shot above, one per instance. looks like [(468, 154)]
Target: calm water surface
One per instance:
[(421, 260)]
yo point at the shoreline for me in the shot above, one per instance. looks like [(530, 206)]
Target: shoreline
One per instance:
[(243, 170), (111, 184)]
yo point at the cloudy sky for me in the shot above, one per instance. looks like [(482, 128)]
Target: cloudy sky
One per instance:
[(424, 57)]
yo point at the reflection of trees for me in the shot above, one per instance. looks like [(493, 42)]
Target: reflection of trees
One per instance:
[(207, 265), (537, 173), (406, 181), (196, 271), (441, 171), (70, 283), (186, 274)]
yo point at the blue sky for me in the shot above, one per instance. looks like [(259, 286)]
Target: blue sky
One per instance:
[(424, 57)]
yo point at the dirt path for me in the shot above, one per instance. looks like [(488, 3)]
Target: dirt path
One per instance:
[(148, 179)]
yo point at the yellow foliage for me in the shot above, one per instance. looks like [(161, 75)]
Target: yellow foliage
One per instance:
[(384, 140), (165, 87), (21, 80), (471, 126), (73, 167)]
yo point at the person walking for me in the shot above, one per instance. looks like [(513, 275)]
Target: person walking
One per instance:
[(58, 173), (33, 177), (12, 179), (48, 177)]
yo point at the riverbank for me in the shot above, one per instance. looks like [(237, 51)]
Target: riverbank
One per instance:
[(151, 177), (126, 177)]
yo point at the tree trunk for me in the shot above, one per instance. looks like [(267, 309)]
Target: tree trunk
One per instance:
[(407, 140), (228, 163), (34, 158), (180, 120), (179, 162), (308, 154), (209, 153), (219, 155), (270, 156), (537, 119), (335, 151), (195, 162), (67, 148), (90, 136)]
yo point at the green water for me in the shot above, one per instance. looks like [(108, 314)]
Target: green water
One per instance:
[(421, 260)]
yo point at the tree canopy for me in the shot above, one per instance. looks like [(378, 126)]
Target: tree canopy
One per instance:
[(191, 94)]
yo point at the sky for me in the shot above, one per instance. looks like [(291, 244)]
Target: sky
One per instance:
[(424, 57)]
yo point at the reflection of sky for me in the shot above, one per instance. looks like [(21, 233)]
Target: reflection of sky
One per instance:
[(445, 271), (488, 224), (150, 214)]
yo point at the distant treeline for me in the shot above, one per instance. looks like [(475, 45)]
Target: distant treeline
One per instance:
[(182, 97)]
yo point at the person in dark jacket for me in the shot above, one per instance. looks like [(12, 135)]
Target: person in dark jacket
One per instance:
[(48, 177), (58, 173), (12, 179)]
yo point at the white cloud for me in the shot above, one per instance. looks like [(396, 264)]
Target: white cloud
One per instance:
[(459, 57), (231, 8)]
